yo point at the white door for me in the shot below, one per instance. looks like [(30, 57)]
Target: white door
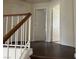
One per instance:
[(39, 25)]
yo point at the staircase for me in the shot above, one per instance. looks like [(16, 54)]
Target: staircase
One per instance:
[(16, 40)]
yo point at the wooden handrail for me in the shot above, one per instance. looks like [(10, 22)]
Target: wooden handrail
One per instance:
[(15, 14), (13, 30)]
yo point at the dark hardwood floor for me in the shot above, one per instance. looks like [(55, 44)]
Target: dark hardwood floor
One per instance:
[(44, 50)]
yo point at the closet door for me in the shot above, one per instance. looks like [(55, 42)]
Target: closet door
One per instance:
[(39, 25)]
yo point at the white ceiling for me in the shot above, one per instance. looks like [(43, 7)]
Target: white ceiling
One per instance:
[(37, 1)]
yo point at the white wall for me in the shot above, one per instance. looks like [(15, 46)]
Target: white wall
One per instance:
[(16, 6), (67, 22)]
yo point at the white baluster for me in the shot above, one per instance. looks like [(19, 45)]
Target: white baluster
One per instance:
[(8, 49), (25, 33), (18, 19), (15, 43), (6, 24), (21, 37), (11, 27), (8, 39), (29, 32), (16, 37)]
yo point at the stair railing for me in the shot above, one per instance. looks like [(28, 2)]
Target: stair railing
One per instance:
[(16, 31)]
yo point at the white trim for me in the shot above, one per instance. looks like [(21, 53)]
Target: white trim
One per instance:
[(46, 26), (51, 25)]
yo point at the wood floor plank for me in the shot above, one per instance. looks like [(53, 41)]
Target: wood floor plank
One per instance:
[(45, 50)]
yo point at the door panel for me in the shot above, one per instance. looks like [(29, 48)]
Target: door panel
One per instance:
[(39, 25)]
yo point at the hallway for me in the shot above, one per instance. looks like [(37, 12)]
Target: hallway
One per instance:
[(44, 50)]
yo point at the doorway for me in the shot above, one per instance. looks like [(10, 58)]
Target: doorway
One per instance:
[(39, 27)]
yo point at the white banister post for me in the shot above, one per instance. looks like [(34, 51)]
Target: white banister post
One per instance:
[(29, 32)]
